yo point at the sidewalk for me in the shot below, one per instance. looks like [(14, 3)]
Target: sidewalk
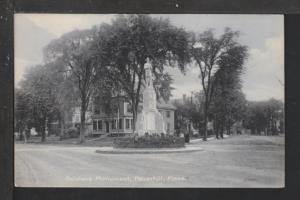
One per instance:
[(208, 139)]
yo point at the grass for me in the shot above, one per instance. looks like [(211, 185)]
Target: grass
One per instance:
[(89, 141)]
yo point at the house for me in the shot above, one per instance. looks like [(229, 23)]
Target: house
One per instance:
[(76, 116), (117, 118), (75, 121)]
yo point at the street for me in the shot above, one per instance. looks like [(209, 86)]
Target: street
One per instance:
[(237, 161)]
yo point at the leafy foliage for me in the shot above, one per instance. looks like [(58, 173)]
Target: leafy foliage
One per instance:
[(262, 115), (125, 45), (75, 53), (108, 60), (228, 102), (187, 112), (216, 58), (35, 101)]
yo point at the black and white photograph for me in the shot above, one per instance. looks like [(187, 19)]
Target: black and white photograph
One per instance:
[(149, 100)]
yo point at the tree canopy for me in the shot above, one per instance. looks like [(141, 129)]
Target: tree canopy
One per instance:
[(129, 40), (214, 55), (36, 101), (107, 60), (262, 116), (75, 52)]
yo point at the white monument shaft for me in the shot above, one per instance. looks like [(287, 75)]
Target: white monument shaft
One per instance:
[(149, 120)]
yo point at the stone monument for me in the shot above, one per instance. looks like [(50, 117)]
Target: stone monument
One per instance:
[(149, 120)]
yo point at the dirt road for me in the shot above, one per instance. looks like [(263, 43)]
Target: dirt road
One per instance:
[(238, 161)]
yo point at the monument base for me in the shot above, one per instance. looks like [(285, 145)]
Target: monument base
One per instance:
[(150, 122)]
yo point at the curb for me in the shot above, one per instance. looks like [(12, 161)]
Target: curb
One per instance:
[(111, 150)]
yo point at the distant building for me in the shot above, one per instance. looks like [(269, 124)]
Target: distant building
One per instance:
[(76, 116), (75, 121), (117, 118)]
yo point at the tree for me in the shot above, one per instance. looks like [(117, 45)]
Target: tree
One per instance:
[(228, 101), (127, 43), (162, 85), (66, 94), (187, 113), (104, 93), (38, 99), (23, 114), (75, 53), (227, 110), (274, 113), (209, 52), (262, 116)]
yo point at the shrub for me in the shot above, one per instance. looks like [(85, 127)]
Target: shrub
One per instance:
[(154, 141), (70, 133)]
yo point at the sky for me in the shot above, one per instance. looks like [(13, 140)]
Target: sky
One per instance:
[(263, 34)]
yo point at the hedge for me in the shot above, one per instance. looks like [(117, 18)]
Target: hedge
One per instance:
[(70, 133), (149, 142)]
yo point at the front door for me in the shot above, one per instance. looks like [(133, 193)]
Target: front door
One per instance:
[(107, 126)]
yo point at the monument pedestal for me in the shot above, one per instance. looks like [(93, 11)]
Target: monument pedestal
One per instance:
[(150, 119), (150, 122)]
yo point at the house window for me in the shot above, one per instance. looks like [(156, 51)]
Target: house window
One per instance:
[(127, 123), (113, 124), (115, 109), (120, 123), (168, 114), (96, 110), (168, 127), (100, 125), (94, 125), (131, 123), (129, 108), (77, 118)]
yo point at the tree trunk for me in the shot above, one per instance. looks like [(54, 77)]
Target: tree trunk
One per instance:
[(217, 129), (228, 129), (222, 129), (205, 122), (43, 128), (82, 121), (136, 101), (28, 134), (82, 126), (21, 135), (61, 133), (62, 128), (134, 116)]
